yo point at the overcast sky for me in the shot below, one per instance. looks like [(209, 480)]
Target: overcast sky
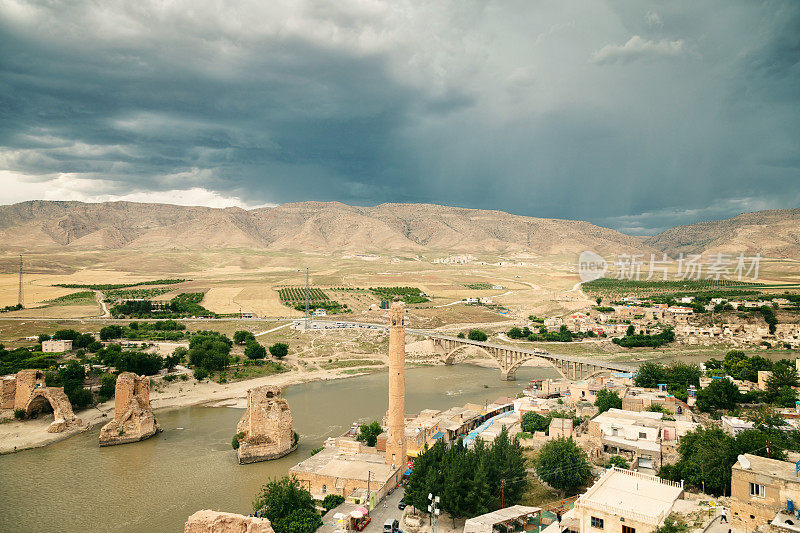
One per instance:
[(636, 115)]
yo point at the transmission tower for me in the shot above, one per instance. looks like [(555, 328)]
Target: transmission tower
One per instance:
[(19, 300), (307, 290)]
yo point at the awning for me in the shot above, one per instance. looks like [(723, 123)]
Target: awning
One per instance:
[(438, 435)]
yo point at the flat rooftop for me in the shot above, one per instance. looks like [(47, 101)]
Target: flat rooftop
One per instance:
[(628, 493), (331, 461), (770, 467)]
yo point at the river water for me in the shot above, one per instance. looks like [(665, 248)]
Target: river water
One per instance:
[(154, 485)]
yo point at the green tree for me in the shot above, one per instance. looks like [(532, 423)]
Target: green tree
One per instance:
[(532, 422), (631, 331), (477, 335), (243, 337), (563, 465), (720, 394), (110, 332), (288, 507), (368, 433), (108, 385), (784, 374), (607, 399), (178, 356), (279, 350), (649, 375), (254, 350), (706, 458), (209, 350), (618, 461), (515, 333)]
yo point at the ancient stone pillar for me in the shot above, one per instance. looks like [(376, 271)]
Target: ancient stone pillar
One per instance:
[(133, 419), (265, 431), (396, 435)]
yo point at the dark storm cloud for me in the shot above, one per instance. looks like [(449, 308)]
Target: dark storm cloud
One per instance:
[(636, 115)]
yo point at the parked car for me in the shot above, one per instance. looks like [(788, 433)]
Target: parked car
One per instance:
[(402, 505)]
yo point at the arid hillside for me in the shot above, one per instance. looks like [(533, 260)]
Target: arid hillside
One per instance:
[(43, 225), (773, 233)]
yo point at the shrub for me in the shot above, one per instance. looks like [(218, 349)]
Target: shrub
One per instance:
[(477, 335), (200, 373), (19, 414), (617, 461), (235, 440), (331, 501)]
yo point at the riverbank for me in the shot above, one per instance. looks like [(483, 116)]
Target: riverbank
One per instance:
[(17, 435)]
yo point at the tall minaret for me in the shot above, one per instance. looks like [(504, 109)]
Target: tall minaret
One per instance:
[(396, 437)]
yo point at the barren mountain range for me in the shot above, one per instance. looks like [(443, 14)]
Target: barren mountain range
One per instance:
[(333, 226)]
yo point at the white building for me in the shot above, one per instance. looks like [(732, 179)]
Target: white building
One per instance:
[(624, 501), (56, 346)]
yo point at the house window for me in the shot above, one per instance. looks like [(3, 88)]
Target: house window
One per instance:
[(756, 490), (597, 522), (628, 529), (324, 489)]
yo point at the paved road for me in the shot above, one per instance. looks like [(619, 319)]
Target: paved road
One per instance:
[(380, 514)]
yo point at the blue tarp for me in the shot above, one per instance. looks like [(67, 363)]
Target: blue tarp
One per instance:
[(438, 435), (407, 472), (470, 438)]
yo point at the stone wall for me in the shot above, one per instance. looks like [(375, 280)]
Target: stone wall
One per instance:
[(208, 521), (26, 381), (8, 389), (266, 426), (133, 419)]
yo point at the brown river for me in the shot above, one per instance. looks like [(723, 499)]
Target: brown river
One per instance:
[(154, 485)]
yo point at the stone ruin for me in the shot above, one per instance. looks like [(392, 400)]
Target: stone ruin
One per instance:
[(133, 419), (266, 428), (27, 392), (208, 521)]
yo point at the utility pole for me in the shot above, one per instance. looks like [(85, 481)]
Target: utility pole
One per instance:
[(19, 300), (307, 289), (502, 493)]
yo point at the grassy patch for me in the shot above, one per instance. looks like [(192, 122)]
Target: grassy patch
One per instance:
[(349, 363), (74, 298)]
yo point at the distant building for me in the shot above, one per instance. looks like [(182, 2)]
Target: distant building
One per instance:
[(56, 346), (320, 312), (497, 287)]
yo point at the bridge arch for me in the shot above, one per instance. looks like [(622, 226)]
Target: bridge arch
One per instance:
[(45, 399), (450, 358)]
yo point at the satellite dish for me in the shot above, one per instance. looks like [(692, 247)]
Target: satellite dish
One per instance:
[(744, 461)]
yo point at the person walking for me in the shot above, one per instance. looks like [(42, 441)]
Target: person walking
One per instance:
[(724, 516)]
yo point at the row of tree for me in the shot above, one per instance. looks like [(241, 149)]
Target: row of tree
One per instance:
[(469, 482)]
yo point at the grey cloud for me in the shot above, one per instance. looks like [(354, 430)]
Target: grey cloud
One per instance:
[(634, 115)]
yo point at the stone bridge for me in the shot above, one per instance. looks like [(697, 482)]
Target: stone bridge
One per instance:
[(511, 358)]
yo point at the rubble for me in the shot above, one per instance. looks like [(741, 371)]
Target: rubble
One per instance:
[(208, 521)]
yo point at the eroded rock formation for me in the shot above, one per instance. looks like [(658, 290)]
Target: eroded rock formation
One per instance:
[(265, 430), (208, 521), (133, 419)]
